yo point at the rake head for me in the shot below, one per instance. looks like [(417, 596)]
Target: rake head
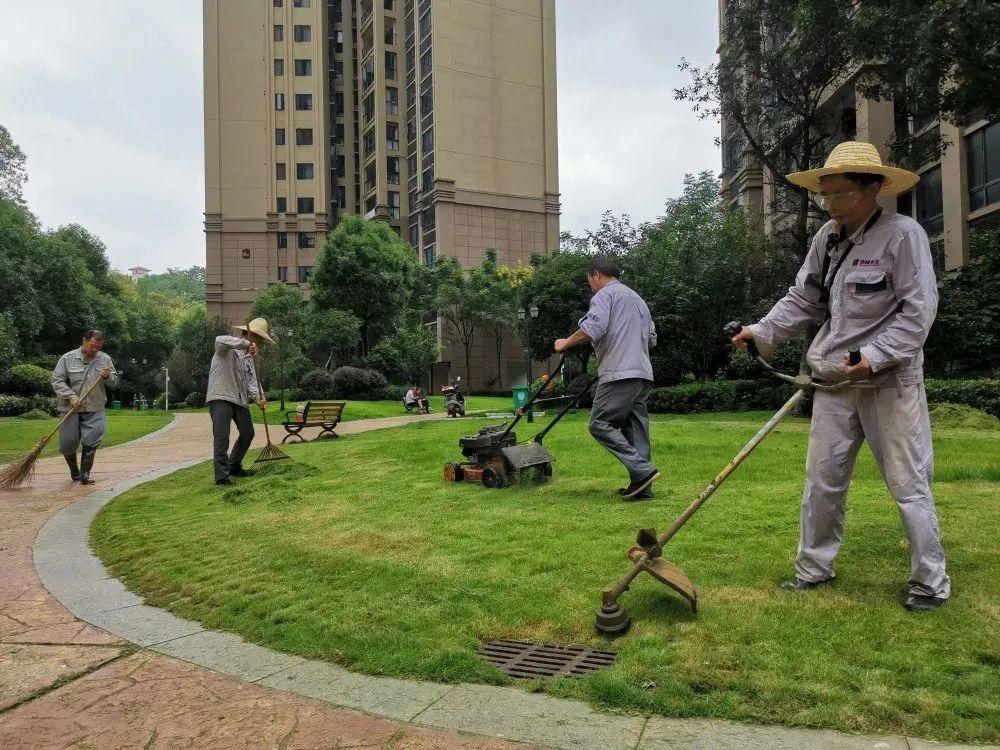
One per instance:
[(269, 453)]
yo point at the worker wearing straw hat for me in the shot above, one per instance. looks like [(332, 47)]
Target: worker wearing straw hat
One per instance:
[(76, 371), (867, 281), (232, 385)]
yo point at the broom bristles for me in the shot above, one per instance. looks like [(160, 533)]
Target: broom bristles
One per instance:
[(21, 471)]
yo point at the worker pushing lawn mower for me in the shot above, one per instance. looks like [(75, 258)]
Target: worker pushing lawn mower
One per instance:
[(868, 283)]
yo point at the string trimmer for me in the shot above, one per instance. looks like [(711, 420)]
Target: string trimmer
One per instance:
[(647, 555)]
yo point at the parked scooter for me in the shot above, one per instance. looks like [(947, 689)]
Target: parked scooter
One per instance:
[(454, 398)]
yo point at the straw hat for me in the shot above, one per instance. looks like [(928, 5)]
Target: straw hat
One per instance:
[(258, 327), (857, 156)]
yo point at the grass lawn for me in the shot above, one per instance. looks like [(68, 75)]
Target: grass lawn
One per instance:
[(377, 409), (18, 436), (360, 553)]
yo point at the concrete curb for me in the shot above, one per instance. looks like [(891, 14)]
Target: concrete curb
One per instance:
[(72, 574)]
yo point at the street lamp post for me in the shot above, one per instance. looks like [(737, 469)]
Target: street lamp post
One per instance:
[(166, 389), (282, 333)]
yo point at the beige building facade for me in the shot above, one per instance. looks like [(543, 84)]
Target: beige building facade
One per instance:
[(436, 116)]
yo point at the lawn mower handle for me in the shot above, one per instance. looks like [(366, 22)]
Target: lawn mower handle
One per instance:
[(534, 397), (573, 401)]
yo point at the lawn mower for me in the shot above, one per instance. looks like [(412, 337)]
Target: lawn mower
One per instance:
[(647, 554), (496, 459)]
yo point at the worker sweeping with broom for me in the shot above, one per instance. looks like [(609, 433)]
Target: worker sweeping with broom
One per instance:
[(232, 385), (80, 380)]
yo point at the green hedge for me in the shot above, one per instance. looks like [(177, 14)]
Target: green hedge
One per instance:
[(13, 406), (26, 380), (769, 395)]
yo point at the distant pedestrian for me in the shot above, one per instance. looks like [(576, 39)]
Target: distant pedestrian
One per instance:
[(621, 330), (232, 386), (75, 372)]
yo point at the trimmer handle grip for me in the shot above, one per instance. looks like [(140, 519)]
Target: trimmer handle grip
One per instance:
[(732, 328), (854, 356)]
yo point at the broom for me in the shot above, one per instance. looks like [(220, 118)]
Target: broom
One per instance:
[(21, 471), (269, 452)]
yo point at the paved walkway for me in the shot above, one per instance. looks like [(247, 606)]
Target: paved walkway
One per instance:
[(145, 678)]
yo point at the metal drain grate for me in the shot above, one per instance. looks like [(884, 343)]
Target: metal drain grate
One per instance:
[(524, 661)]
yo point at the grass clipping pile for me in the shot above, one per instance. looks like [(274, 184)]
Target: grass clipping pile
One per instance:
[(959, 416)]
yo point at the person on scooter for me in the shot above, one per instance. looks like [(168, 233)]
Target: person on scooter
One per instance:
[(619, 326), (868, 280)]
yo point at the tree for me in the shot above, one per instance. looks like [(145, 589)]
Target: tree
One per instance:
[(330, 335), (146, 340), (194, 348), (406, 354), (10, 352), (558, 288), (13, 174), (501, 288), (181, 283), (461, 304), (614, 237), (365, 268)]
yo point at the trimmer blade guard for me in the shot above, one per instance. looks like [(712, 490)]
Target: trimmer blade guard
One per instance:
[(528, 454), (668, 573)]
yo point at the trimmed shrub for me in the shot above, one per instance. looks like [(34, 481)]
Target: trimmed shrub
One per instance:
[(719, 395), (394, 392), (982, 394), (357, 383), (45, 403), (195, 399), (26, 380), (34, 414), (13, 406), (317, 383)]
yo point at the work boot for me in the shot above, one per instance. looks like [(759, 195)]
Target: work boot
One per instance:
[(638, 487), (74, 469), (239, 471), (224, 481), (86, 464), (921, 603), (797, 584)]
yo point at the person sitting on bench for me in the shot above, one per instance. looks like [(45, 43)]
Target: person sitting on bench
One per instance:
[(415, 399)]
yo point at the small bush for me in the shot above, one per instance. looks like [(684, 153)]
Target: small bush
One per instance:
[(576, 385), (34, 414), (26, 380), (357, 383), (195, 399), (45, 403), (13, 406), (317, 383), (982, 394), (394, 392)]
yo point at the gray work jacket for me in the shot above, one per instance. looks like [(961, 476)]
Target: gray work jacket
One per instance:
[(884, 300), (232, 376), (622, 331), (74, 374)]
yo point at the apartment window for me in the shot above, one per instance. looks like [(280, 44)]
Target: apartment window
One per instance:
[(338, 71), (983, 160), (341, 196), (390, 31), (411, 130), (306, 240), (282, 240), (392, 101), (428, 180), (279, 66), (302, 32), (339, 44), (338, 104), (279, 136), (279, 32), (279, 3), (427, 141), (389, 4), (368, 142), (279, 102), (282, 205), (279, 170), (369, 107), (282, 273), (426, 101), (338, 133), (425, 63), (303, 136), (303, 67), (370, 177), (430, 256), (304, 171), (341, 168), (415, 235), (304, 271), (306, 205), (393, 205), (392, 136), (390, 66), (392, 169), (303, 102), (930, 202), (301, 3)]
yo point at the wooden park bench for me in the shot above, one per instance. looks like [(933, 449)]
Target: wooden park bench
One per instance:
[(325, 414)]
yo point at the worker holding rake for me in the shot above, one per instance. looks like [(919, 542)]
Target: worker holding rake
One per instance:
[(232, 386), (79, 380), (867, 281)]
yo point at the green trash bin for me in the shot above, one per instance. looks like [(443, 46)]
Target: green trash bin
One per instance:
[(116, 405), (521, 395)]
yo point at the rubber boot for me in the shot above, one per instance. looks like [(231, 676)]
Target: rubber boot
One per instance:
[(86, 464), (74, 469)]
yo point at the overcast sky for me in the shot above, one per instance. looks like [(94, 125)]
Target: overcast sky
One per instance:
[(105, 97)]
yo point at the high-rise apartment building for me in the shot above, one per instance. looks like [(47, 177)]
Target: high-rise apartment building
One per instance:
[(436, 116)]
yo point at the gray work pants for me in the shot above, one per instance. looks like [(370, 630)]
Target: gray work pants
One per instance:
[(223, 414), (86, 427), (895, 423), (620, 422)]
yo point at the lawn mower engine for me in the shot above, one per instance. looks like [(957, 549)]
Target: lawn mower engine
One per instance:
[(496, 460)]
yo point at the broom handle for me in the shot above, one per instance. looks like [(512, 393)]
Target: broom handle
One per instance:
[(83, 396)]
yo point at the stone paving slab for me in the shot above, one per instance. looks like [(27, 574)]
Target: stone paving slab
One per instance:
[(513, 714), (917, 744), (383, 696), (698, 734), (142, 625), (229, 654), (27, 669)]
